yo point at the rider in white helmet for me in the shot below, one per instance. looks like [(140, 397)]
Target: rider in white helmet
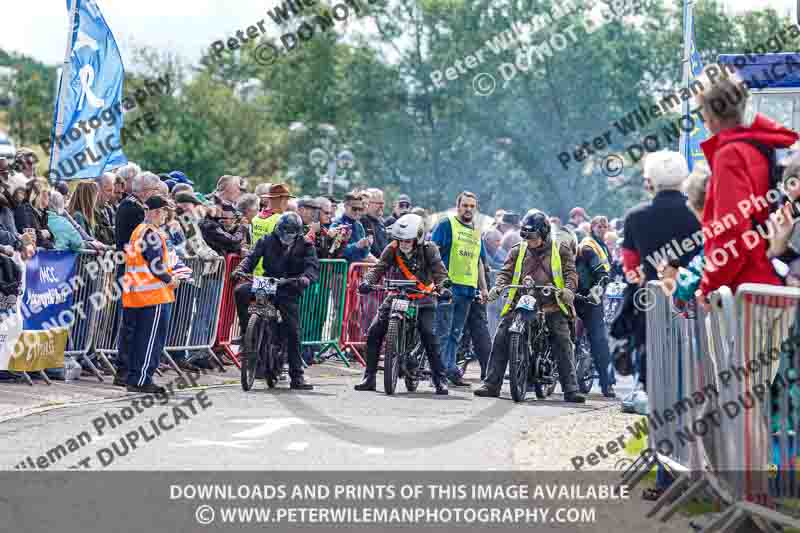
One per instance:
[(407, 257)]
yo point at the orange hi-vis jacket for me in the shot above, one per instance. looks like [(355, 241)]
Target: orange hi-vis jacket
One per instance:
[(140, 287)]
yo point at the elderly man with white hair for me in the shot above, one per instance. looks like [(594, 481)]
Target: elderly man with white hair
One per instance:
[(652, 228)]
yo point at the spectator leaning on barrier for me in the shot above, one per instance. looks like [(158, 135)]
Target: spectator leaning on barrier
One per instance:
[(65, 236), (33, 212), (373, 221), (190, 210), (682, 283), (461, 248), (223, 233), (25, 243), (82, 206), (740, 159), (357, 248), (401, 206), (329, 243), (148, 289), (652, 225)]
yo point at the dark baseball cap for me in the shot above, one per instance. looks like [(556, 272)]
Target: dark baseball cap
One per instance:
[(156, 202), (404, 198), (187, 198)]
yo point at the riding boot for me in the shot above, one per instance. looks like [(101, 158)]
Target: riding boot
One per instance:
[(440, 384), (368, 382)]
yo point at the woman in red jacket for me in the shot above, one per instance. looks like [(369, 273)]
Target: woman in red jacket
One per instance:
[(736, 199)]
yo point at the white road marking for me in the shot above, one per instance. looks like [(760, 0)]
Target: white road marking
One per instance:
[(296, 446), (192, 443), (266, 427), (374, 451)]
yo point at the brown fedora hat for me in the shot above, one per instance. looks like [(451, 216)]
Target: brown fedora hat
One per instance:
[(279, 190)]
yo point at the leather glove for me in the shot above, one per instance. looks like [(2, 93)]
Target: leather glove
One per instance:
[(567, 296), (364, 288), (494, 294), (303, 282), (445, 294)]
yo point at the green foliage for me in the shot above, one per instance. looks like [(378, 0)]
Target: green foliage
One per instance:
[(408, 136)]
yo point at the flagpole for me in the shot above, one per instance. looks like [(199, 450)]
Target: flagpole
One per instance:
[(66, 75), (688, 22)]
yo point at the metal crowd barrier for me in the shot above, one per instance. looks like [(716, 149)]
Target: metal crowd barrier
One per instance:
[(767, 315), (722, 375), (195, 313), (228, 323), (82, 333), (359, 310), (322, 309)]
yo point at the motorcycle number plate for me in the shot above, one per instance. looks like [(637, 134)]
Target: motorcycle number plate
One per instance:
[(527, 302), (268, 285), (400, 305)]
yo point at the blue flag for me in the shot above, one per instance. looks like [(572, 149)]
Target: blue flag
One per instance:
[(694, 154), (89, 98)]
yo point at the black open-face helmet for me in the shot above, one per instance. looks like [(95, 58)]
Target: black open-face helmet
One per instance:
[(289, 228), (535, 223)]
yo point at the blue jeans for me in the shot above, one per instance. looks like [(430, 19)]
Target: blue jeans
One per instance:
[(450, 319), (592, 317)]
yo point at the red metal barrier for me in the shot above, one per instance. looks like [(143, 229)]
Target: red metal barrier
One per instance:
[(359, 310), (228, 321)]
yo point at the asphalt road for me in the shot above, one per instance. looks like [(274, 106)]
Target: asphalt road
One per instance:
[(332, 427)]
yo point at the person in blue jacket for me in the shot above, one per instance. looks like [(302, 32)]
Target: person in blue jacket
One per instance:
[(357, 248)]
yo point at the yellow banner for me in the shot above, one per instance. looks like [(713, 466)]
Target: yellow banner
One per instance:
[(37, 350)]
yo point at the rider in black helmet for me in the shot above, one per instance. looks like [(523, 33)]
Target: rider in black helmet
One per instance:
[(284, 253), (548, 263)]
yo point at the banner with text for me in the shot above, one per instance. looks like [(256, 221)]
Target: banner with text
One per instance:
[(43, 315)]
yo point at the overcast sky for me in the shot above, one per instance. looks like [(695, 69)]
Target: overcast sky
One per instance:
[(38, 27)]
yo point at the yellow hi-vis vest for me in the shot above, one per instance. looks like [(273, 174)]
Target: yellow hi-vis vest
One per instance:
[(465, 251), (601, 254), (140, 288), (258, 228), (555, 265)]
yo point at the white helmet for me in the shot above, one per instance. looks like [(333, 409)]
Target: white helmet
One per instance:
[(408, 227)]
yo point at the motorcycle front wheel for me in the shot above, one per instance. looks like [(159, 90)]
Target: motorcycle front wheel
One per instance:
[(519, 365), (252, 351), (391, 357)]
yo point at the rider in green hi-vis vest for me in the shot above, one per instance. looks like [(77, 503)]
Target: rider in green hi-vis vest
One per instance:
[(548, 263), (278, 202)]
